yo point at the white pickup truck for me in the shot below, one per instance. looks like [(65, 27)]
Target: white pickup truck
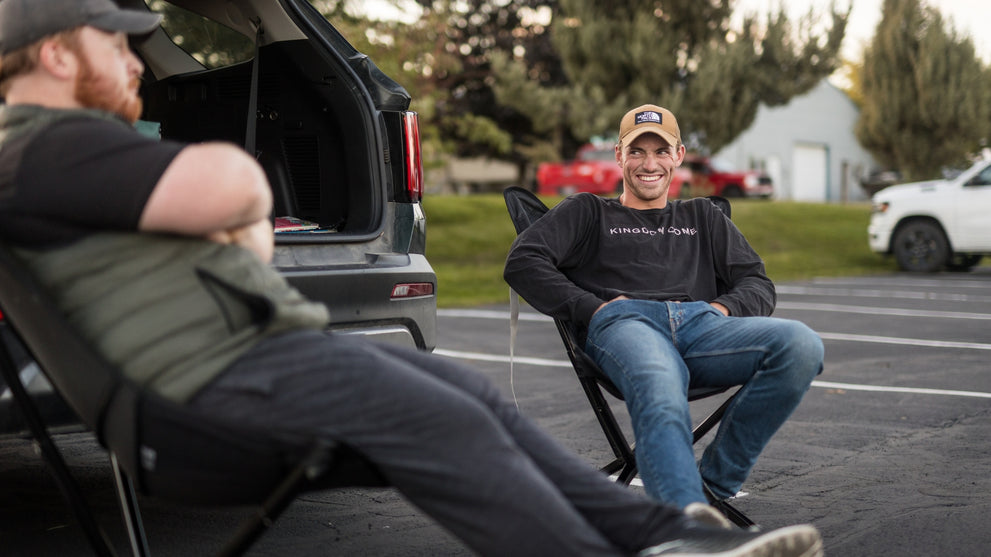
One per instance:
[(929, 226)]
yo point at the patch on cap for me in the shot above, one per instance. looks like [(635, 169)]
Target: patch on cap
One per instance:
[(647, 116)]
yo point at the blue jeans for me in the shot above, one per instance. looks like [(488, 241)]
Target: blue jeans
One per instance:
[(655, 351)]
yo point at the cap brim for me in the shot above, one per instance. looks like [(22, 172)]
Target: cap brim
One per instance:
[(127, 21), (670, 138)]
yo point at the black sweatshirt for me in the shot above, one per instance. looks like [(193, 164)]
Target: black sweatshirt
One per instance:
[(589, 250)]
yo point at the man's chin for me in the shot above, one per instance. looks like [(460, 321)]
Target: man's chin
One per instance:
[(651, 193)]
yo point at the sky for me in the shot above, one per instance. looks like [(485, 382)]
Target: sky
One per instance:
[(967, 16)]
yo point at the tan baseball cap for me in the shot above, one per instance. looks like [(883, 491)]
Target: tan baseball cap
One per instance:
[(649, 119)]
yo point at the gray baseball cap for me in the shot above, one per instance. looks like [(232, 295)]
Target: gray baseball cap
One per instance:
[(22, 22)]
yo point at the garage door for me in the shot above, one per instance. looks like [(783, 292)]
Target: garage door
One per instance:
[(809, 173)]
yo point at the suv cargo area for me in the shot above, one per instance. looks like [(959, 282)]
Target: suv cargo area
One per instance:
[(336, 141)]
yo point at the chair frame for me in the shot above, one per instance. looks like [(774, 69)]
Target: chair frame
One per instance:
[(231, 465), (524, 209)]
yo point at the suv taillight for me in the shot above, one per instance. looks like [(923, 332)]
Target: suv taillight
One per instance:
[(412, 159), (412, 290)]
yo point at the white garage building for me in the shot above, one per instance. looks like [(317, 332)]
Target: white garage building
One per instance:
[(808, 147)]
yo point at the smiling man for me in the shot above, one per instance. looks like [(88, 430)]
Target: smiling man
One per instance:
[(668, 295)]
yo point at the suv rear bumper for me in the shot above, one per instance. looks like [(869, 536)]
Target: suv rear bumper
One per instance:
[(355, 295)]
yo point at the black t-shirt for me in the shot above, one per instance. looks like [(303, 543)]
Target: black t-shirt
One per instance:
[(77, 176)]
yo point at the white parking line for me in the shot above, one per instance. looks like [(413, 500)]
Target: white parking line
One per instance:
[(491, 314), (883, 311), (911, 390), (841, 308), (821, 384), (479, 357), (905, 282), (880, 293), (904, 341)]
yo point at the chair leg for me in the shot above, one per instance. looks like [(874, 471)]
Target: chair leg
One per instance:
[(711, 420), (729, 511), (311, 467), (60, 470), (734, 515), (129, 509)]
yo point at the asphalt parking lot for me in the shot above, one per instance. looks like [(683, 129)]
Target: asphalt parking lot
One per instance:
[(888, 454)]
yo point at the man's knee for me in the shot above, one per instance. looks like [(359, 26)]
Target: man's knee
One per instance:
[(803, 350)]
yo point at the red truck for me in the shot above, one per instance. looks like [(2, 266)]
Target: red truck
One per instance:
[(712, 179), (593, 170)]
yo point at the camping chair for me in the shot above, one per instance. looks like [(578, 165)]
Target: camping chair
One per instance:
[(524, 209), (156, 447)]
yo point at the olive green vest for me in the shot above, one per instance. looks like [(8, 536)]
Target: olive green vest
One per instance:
[(170, 312)]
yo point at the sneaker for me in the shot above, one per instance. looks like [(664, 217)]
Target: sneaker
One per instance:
[(791, 541), (707, 514)]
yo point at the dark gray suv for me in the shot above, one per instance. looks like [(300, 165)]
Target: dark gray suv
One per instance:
[(335, 137)]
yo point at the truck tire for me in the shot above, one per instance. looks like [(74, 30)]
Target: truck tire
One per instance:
[(732, 191), (921, 247), (963, 262)]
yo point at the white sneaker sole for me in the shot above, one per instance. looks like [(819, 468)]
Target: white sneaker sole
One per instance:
[(790, 541)]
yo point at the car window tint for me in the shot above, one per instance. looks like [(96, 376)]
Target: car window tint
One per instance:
[(984, 178), (210, 43)]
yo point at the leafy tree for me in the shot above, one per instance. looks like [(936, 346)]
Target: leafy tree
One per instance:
[(926, 101), (850, 73), (442, 58), (683, 54), (474, 31)]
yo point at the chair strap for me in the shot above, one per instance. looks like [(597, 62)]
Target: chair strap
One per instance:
[(514, 327)]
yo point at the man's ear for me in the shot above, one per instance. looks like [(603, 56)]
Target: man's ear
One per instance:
[(58, 60), (679, 156), (619, 153)]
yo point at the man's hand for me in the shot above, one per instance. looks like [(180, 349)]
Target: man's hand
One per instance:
[(257, 237), (720, 307), (620, 297)]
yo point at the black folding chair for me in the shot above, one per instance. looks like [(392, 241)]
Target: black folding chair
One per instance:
[(524, 209), (157, 447)]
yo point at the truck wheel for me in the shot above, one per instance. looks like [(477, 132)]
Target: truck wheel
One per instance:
[(963, 262), (921, 247), (732, 192)]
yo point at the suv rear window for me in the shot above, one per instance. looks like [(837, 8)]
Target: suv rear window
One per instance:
[(207, 41)]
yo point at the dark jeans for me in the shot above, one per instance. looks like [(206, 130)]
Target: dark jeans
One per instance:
[(444, 437)]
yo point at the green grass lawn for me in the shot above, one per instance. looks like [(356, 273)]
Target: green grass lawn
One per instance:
[(468, 238)]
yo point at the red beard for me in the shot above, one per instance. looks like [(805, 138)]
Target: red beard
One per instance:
[(94, 91)]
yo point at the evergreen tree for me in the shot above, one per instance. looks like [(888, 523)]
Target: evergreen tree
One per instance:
[(682, 54), (444, 60), (926, 100)]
